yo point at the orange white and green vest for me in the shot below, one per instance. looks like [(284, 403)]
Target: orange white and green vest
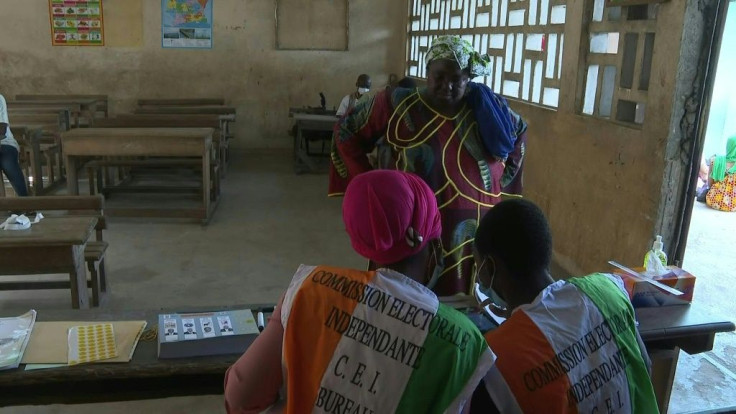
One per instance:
[(375, 342), (574, 349)]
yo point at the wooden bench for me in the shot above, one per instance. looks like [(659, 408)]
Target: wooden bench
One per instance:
[(94, 252), (181, 102), (55, 120), (96, 183), (75, 109), (102, 105)]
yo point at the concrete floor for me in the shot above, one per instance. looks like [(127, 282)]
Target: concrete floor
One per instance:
[(271, 220), (708, 380)]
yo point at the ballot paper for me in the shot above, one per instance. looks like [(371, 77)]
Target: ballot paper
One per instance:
[(183, 335), (481, 297), (14, 336)]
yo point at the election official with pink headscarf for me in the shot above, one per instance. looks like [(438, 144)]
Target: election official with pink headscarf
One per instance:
[(375, 341)]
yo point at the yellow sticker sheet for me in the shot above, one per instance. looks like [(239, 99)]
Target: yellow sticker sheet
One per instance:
[(91, 343)]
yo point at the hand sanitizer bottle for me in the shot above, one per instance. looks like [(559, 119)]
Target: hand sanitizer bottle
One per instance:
[(657, 251)]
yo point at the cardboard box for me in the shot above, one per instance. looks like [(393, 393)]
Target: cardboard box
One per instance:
[(645, 295)]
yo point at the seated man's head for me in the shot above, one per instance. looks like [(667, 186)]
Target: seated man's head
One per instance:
[(363, 83), (392, 219), (513, 249)]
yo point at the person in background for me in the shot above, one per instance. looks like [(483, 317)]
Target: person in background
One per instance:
[(363, 86), (344, 340), (462, 139), (722, 179), (566, 346), (9, 152)]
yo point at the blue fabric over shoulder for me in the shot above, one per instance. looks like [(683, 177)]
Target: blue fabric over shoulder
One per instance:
[(495, 122)]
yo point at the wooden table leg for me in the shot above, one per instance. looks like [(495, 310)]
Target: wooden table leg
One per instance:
[(71, 175), (35, 159), (664, 364), (206, 186), (78, 279)]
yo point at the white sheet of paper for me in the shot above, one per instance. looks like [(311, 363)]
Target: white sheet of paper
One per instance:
[(33, 367), (487, 309), (14, 336)]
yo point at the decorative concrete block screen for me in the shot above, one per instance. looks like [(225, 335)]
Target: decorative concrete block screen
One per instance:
[(523, 37), (619, 44)]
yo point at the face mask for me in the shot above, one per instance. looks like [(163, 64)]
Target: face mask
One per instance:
[(439, 267), (363, 90)]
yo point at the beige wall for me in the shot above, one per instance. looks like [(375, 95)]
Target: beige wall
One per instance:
[(243, 67), (599, 182)]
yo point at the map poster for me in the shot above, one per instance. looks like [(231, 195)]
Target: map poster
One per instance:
[(76, 23), (186, 23)]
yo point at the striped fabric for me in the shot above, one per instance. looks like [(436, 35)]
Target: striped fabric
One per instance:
[(375, 342), (574, 349)]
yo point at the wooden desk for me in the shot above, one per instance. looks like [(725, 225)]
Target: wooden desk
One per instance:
[(309, 122), (53, 245), (668, 329), (143, 142), (144, 377), (148, 377), (219, 122)]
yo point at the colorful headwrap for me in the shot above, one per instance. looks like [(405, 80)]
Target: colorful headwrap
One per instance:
[(496, 125), (461, 51), (390, 215), (718, 171)]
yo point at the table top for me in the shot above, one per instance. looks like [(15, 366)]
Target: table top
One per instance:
[(315, 117), (145, 376), (53, 231), (164, 142), (165, 116), (62, 101), (668, 322), (145, 362), (73, 106), (152, 133), (204, 109), (311, 110)]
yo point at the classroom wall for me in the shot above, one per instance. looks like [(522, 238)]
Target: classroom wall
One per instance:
[(600, 182), (243, 67)]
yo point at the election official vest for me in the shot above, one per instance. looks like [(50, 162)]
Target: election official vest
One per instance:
[(574, 349), (375, 342)]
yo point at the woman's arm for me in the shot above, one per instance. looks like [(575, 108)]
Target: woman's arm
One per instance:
[(252, 384), (356, 134)]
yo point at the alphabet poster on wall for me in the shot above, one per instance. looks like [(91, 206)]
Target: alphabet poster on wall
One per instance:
[(186, 23), (76, 23)]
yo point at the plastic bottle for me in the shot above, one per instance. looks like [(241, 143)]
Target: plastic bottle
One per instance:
[(657, 247)]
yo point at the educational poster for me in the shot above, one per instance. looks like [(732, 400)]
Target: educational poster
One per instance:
[(76, 23), (186, 23)]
